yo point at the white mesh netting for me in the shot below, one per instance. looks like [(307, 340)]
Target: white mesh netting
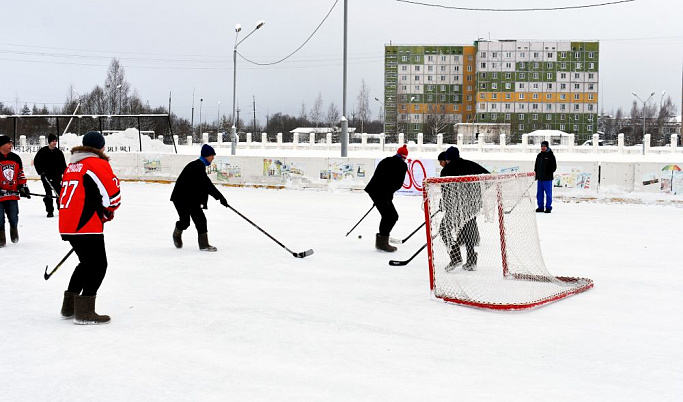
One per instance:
[(483, 243)]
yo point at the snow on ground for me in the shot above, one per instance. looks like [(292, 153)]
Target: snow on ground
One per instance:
[(251, 322)]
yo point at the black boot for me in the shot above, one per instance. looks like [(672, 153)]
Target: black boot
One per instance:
[(539, 210), (456, 259), (177, 238), (68, 305), (13, 234), (3, 238), (84, 311), (204, 243), (471, 263), (382, 243)]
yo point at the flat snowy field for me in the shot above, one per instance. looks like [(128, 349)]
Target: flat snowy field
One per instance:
[(251, 322)]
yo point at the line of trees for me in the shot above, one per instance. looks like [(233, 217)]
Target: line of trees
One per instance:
[(659, 119)]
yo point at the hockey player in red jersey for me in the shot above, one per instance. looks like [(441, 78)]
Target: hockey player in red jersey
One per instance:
[(12, 186), (90, 194)]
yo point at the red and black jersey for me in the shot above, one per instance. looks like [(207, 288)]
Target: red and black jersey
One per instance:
[(11, 176), (89, 187)]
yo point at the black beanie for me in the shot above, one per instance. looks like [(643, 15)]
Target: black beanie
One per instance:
[(51, 137), (93, 139)]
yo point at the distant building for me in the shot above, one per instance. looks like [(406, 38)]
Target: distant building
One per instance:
[(531, 85)]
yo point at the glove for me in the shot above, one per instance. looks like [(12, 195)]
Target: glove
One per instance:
[(107, 215), (25, 192), (224, 202)]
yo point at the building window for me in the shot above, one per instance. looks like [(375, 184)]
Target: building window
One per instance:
[(483, 55), (417, 58), (522, 106), (590, 117), (563, 96), (563, 54), (469, 58), (521, 96), (508, 55), (535, 55), (494, 76), (507, 106), (589, 128), (508, 85), (456, 68), (535, 66), (521, 85), (563, 75), (417, 78), (404, 58), (417, 89), (430, 68), (429, 77), (521, 116), (417, 68), (430, 58), (442, 68), (508, 65), (590, 76), (443, 58), (534, 106), (522, 65), (404, 68), (469, 69), (494, 85), (442, 78), (494, 55), (534, 116), (590, 96), (563, 66), (576, 127), (576, 96), (549, 76), (443, 98), (591, 66), (443, 88), (494, 95), (590, 107), (550, 56), (508, 96), (577, 55), (430, 87), (534, 96), (521, 126), (561, 127), (404, 78), (469, 107), (548, 106), (548, 116), (563, 86), (590, 55), (508, 76), (482, 85), (549, 86), (494, 106), (576, 107), (522, 55), (507, 116), (548, 96), (563, 107), (562, 117), (469, 78), (535, 76), (483, 65), (522, 76)]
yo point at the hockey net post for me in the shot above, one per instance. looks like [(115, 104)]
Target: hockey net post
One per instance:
[(483, 244)]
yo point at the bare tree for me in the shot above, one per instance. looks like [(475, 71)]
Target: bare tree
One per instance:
[(303, 116), (116, 88), (667, 110), (364, 112), (332, 118), (316, 114), (634, 114)]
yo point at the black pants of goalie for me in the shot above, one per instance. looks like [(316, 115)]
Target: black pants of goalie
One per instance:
[(467, 235), (90, 271)]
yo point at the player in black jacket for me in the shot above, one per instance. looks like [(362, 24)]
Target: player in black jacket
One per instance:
[(545, 170), (191, 195), (50, 164), (461, 206), (387, 179)]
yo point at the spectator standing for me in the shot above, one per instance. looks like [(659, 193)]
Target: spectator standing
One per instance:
[(387, 179), (50, 164), (545, 169), (12, 186)]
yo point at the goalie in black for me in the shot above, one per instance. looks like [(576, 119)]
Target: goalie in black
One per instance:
[(460, 206)]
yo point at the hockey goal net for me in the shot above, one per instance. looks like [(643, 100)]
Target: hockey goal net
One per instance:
[(483, 243)]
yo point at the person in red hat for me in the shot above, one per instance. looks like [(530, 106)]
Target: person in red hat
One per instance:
[(387, 179)]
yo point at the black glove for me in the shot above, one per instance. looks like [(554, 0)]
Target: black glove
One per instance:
[(224, 202), (107, 215), (25, 192)]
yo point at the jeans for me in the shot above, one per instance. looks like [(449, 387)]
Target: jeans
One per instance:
[(544, 187), (11, 208)]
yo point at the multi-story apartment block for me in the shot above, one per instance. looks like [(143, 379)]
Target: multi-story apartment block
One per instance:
[(530, 85)]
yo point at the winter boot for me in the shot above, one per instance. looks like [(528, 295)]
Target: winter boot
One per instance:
[(84, 311), (382, 243), (204, 243), (14, 234), (177, 238), (68, 305), (3, 239), (456, 259), (471, 263), (548, 210), (539, 210)]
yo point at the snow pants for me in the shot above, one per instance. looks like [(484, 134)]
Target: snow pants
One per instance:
[(90, 271)]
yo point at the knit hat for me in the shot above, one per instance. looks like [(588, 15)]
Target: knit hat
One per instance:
[(207, 150), (452, 154), (544, 144), (4, 140), (403, 151), (93, 139), (442, 156), (51, 137)]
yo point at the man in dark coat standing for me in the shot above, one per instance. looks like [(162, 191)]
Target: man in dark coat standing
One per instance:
[(50, 164), (191, 195), (461, 203), (545, 168), (387, 179)]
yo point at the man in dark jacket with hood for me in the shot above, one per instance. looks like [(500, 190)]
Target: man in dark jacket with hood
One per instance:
[(545, 168), (461, 203), (50, 164), (191, 195), (387, 179)]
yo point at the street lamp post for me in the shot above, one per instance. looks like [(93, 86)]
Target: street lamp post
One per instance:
[(118, 87), (644, 103), (201, 101), (238, 28), (218, 122), (384, 118)]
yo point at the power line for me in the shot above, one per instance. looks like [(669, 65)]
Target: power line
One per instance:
[(297, 49), (514, 9)]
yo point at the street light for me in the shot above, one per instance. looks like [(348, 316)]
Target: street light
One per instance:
[(238, 28), (644, 103), (384, 118), (118, 87), (201, 101), (218, 122)]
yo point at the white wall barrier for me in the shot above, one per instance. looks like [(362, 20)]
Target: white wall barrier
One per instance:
[(354, 173)]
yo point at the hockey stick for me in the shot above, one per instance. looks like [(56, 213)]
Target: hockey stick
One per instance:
[(297, 255), (17, 193), (520, 198), (402, 263), (51, 186), (361, 220), (48, 275), (401, 241)]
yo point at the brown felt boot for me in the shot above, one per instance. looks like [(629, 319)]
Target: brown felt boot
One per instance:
[(68, 305), (84, 311), (13, 234), (177, 238), (3, 238), (204, 243), (382, 243)]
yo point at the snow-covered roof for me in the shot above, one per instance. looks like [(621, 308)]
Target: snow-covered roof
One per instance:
[(552, 133), (319, 130)]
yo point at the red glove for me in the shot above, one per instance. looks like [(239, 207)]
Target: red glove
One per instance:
[(107, 215)]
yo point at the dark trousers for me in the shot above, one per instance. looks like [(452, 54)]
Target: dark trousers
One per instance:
[(49, 194), (187, 212), (389, 216), (467, 235), (11, 209), (90, 271)]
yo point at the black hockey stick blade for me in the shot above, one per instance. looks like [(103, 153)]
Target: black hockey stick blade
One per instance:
[(303, 253), (397, 263)]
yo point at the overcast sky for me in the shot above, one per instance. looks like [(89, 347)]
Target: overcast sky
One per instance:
[(178, 47)]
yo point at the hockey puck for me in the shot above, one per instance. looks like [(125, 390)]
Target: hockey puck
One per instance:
[(360, 237)]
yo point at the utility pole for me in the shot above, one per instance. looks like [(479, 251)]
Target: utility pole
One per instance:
[(192, 121), (254, 100)]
